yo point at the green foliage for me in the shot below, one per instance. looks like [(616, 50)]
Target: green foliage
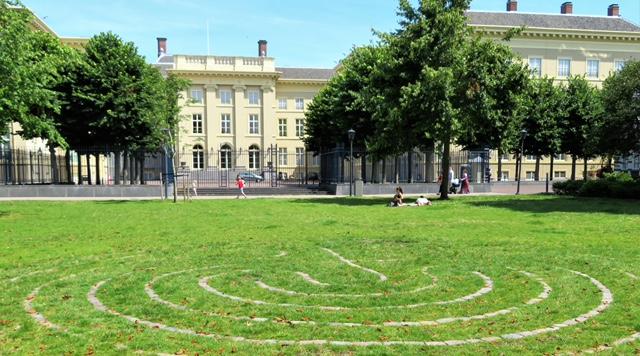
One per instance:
[(567, 187), (544, 110), (115, 99), (30, 63), (615, 185), (620, 129), (578, 128)]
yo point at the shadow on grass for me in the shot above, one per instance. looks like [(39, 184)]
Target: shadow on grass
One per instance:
[(346, 201), (564, 205)]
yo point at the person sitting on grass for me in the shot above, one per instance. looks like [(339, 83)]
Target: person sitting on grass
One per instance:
[(422, 201), (397, 198)]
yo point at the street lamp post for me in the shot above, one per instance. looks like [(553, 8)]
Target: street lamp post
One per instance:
[(352, 135), (524, 136), (169, 170)]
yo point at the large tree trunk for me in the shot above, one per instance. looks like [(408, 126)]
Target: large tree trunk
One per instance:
[(132, 169), (88, 156), (118, 168), (499, 177), (79, 168), (537, 168), (574, 159), (125, 167), (98, 180), (67, 161), (551, 172), (55, 174), (446, 159), (396, 170), (141, 164), (410, 167)]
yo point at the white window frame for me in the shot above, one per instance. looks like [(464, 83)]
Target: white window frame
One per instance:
[(226, 97), (300, 127), (197, 124), (225, 157), (198, 157), (568, 74), (595, 75), (299, 156), (199, 98), (254, 157), (531, 174), (282, 128), (534, 73), (530, 158), (560, 174), (299, 103), (560, 157), (505, 176), (225, 124), (254, 124), (282, 104), (616, 62), (253, 95), (282, 156), (506, 157)]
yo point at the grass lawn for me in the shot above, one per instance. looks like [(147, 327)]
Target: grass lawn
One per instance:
[(499, 275)]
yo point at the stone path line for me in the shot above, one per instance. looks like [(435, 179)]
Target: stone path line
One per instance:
[(607, 299), (382, 277)]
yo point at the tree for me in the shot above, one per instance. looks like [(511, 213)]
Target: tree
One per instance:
[(115, 101), (29, 69), (494, 104), (619, 131), (544, 112), (578, 126)]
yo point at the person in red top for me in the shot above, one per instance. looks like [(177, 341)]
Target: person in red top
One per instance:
[(240, 184)]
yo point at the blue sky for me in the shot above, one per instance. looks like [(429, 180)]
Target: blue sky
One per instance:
[(300, 33)]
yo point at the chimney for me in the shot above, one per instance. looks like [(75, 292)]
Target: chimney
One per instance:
[(567, 8), (614, 10), (162, 46), (512, 5), (262, 48)]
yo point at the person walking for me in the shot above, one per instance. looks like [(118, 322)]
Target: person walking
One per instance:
[(240, 185), (464, 181)]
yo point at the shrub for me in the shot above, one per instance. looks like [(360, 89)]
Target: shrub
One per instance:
[(596, 188), (622, 177), (567, 187)]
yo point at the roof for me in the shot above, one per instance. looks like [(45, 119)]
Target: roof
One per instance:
[(306, 73), (166, 59), (557, 21)]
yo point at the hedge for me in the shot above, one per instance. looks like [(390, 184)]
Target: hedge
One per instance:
[(614, 185)]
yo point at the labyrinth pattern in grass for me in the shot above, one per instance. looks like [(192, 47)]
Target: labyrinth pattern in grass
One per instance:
[(228, 303)]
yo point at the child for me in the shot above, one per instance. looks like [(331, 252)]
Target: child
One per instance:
[(240, 184)]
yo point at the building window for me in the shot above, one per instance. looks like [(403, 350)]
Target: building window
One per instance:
[(593, 68), (282, 127), (300, 156), (535, 65), (198, 157), (254, 96), (282, 156), (560, 157), (282, 104), (225, 157), (618, 65), (226, 124), (560, 174), (505, 176), (299, 104), (225, 96), (197, 95), (530, 157), (299, 127), (254, 125), (564, 67), (254, 157), (506, 157), (531, 175), (197, 123)]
